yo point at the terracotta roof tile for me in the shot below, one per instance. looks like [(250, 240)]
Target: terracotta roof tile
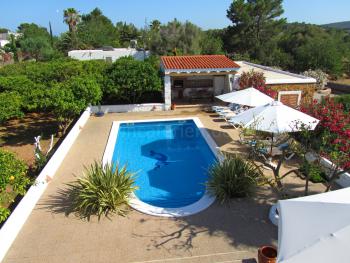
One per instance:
[(198, 62)]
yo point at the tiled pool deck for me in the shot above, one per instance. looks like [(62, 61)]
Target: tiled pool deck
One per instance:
[(221, 233)]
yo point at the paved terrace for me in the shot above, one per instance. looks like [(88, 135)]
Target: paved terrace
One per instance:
[(221, 233)]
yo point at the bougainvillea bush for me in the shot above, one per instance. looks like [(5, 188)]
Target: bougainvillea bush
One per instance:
[(333, 131), (256, 80)]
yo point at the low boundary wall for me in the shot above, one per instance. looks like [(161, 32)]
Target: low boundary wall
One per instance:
[(128, 108), (18, 217)]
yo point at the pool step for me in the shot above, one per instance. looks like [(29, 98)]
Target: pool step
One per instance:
[(225, 257), (173, 203)]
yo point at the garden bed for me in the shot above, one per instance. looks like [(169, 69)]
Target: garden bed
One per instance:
[(17, 135), (344, 179)]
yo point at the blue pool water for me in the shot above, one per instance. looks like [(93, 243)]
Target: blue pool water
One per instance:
[(171, 159)]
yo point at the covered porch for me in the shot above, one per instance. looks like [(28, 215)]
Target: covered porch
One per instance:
[(192, 88), (196, 79)]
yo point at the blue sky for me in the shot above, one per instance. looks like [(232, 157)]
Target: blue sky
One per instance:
[(205, 13)]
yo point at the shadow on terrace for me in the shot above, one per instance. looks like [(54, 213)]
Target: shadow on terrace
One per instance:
[(242, 222)]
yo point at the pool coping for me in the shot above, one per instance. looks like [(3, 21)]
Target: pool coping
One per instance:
[(203, 203)]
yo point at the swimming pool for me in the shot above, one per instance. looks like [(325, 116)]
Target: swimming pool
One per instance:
[(171, 158)]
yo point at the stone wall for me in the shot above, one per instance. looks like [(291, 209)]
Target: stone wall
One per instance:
[(307, 89)]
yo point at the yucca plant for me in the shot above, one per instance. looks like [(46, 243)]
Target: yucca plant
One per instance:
[(232, 177), (102, 190)]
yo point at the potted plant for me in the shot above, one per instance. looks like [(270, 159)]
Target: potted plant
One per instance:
[(173, 106), (267, 254)]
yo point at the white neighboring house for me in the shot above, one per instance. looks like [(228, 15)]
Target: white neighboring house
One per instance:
[(3, 42), (5, 38), (108, 55)]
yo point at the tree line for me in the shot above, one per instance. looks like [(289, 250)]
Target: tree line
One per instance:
[(257, 33)]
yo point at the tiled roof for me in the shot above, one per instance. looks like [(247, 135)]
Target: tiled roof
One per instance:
[(198, 62)]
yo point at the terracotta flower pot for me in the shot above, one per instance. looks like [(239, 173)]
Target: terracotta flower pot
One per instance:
[(173, 106), (267, 254)]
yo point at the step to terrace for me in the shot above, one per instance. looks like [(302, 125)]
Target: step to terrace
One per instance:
[(225, 257)]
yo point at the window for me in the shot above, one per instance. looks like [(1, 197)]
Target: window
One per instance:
[(290, 98)]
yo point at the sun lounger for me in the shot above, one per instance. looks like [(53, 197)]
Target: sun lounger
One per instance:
[(231, 106), (218, 108), (223, 111), (233, 123), (228, 116)]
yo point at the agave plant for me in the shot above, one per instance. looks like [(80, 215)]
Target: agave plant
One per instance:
[(102, 190), (232, 177)]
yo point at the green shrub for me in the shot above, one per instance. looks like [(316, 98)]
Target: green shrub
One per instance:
[(10, 106), (314, 171), (152, 97), (102, 190), (55, 71), (13, 173), (68, 99), (30, 92), (4, 213), (128, 79), (233, 177)]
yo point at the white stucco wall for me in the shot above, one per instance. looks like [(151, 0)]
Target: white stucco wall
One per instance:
[(3, 42), (167, 92), (128, 108), (113, 54), (219, 85)]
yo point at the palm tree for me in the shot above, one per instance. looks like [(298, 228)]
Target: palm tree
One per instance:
[(72, 17), (155, 25)]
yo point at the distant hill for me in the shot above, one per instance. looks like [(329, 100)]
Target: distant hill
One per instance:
[(340, 25)]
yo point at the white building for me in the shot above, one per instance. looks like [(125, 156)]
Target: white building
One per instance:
[(273, 76), (5, 38), (188, 78), (3, 42), (108, 55), (292, 88)]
